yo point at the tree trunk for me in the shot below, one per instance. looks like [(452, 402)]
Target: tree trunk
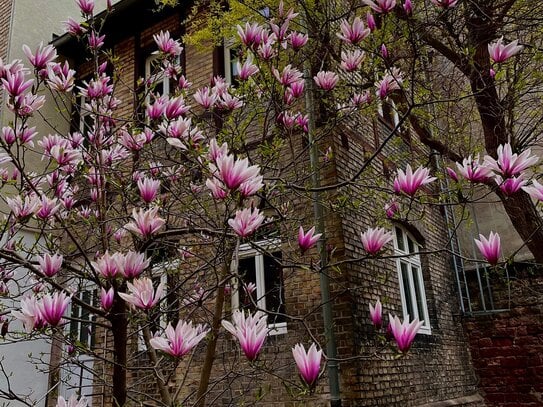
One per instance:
[(119, 328)]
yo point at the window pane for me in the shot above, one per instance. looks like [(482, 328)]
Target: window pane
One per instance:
[(247, 275), (411, 245), (275, 296), (417, 281), (407, 289), (399, 239)]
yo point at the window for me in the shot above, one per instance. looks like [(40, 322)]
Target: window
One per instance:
[(77, 373), (261, 268), (410, 277), (231, 59), (388, 112)]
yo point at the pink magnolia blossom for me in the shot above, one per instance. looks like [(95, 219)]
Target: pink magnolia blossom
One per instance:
[(142, 294), (146, 222), (500, 53), (474, 171), (408, 7), (490, 248), (52, 307), (229, 102), (288, 75), (353, 33), (156, 109), (307, 240), (535, 191), (404, 333), (73, 401), (181, 340), (73, 27), (132, 264), (107, 265), (326, 80), (235, 172), (297, 88), (351, 60), (60, 77), (246, 70), (251, 331), (246, 221), (376, 314), (509, 164), (205, 97), (308, 363), (380, 6), (50, 265), (217, 188), (41, 57), (15, 84), (175, 107), (251, 35), (29, 314), (251, 186), (410, 182), (374, 239), (370, 20), (384, 51), (95, 41), (86, 6), (148, 189), (451, 173), (511, 185), (391, 81), (48, 208), (167, 45), (23, 209), (106, 298), (297, 40), (445, 3)]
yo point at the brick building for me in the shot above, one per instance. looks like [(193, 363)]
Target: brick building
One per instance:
[(437, 371)]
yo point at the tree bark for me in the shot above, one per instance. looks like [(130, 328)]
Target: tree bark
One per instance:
[(119, 328)]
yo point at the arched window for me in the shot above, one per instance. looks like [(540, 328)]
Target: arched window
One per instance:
[(410, 276)]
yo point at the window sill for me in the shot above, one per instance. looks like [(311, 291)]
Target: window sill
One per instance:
[(277, 329)]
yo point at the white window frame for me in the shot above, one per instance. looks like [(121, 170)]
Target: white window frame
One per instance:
[(394, 112), (410, 258), (78, 375), (258, 250), (227, 49)]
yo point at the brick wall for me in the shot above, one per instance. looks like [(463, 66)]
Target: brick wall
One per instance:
[(507, 347), (5, 26)]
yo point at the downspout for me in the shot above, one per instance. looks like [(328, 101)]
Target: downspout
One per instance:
[(318, 213)]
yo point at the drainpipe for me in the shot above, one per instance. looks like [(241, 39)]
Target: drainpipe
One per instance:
[(318, 213)]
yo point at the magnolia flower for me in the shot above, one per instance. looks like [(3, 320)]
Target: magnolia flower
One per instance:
[(326, 80), (142, 294), (408, 7), (73, 27), (307, 240), (146, 222), (509, 164), (181, 340), (132, 264), (106, 265), (351, 60), (246, 221), (235, 172), (535, 191), (445, 3), (404, 333), (52, 308), (50, 265), (148, 189), (472, 170), (288, 76), (297, 40), (380, 6), (374, 239), (72, 402), (390, 82), (251, 332), (409, 182), (86, 6), (42, 57), (251, 35), (30, 314), (500, 52), (353, 33), (167, 45), (370, 20), (308, 363), (490, 248), (106, 298), (246, 70), (511, 185), (376, 314)]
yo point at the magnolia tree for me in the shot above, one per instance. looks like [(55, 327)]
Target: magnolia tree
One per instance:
[(148, 211)]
